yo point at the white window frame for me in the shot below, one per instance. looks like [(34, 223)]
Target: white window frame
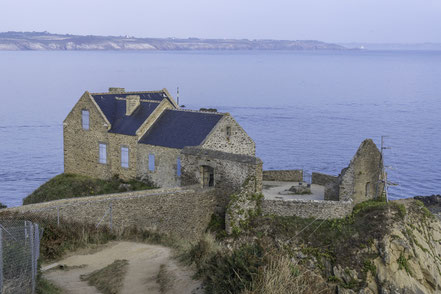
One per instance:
[(125, 156), (85, 119), (152, 162), (102, 153), (178, 166)]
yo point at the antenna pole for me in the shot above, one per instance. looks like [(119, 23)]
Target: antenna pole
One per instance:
[(177, 95), (383, 171)]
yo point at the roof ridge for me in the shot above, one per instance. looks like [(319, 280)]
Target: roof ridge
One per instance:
[(198, 111), (130, 92)]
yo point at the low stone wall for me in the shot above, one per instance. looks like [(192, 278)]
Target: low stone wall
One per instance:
[(181, 212), (331, 184), (307, 208), (294, 175)]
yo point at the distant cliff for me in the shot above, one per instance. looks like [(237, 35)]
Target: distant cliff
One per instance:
[(46, 41)]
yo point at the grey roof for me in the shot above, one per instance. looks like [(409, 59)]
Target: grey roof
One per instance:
[(180, 128), (115, 110)]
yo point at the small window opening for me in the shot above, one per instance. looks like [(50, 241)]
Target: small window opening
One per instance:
[(85, 119), (151, 162), (178, 167), (103, 153), (228, 133), (125, 157)]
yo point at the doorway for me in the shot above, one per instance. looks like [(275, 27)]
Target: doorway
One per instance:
[(207, 176)]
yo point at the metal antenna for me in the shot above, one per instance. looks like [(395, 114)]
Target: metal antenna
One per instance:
[(383, 168), (177, 95)]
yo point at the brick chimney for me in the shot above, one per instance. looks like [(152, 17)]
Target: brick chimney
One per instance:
[(132, 102), (116, 90)]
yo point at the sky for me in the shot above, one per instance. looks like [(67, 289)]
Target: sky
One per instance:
[(374, 21)]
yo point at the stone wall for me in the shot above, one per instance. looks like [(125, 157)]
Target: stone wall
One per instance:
[(361, 180), (81, 147), (165, 174), (238, 142), (307, 208), (230, 170), (295, 175), (331, 184), (184, 213)]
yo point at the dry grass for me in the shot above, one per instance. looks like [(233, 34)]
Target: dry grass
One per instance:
[(108, 280), (164, 279), (282, 276)]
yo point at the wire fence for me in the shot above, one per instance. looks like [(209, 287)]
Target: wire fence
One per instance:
[(19, 253)]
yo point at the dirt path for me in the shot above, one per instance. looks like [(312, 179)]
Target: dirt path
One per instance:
[(144, 265)]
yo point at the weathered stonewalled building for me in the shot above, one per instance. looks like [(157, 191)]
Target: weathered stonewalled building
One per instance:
[(362, 180), (143, 134)]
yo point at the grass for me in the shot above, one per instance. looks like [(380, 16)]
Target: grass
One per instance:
[(403, 264), (65, 186), (108, 280), (252, 268), (46, 287), (164, 279)]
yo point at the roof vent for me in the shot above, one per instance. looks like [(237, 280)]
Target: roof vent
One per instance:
[(132, 102), (117, 90)]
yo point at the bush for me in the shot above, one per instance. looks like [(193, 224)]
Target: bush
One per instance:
[(69, 186)]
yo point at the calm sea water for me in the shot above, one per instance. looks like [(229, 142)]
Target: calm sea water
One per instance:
[(307, 110)]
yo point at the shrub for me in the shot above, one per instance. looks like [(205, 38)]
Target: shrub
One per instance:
[(69, 186)]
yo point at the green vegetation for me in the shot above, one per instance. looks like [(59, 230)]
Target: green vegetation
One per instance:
[(369, 266), (164, 279), (426, 212), (108, 280), (46, 287), (403, 264), (66, 186), (254, 268), (2, 205)]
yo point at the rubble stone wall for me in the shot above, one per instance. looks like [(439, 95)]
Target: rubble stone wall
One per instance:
[(294, 175)]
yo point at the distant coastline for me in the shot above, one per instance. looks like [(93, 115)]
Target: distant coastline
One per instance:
[(17, 41)]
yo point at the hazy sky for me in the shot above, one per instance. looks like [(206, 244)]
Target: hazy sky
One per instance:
[(326, 20)]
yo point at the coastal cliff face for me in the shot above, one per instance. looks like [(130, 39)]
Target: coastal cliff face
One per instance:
[(409, 256), (385, 248), (47, 41)]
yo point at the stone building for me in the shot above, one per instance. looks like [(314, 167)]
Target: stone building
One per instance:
[(144, 135), (362, 180)]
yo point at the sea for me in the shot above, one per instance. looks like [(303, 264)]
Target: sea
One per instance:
[(304, 109)]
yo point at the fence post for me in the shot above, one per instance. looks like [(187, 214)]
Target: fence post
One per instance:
[(31, 242), (36, 254), (1, 261), (110, 216)]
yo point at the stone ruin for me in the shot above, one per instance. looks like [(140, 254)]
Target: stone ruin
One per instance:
[(362, 180)]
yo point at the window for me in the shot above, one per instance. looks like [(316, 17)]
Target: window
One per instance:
[(125, 157), (228, 133), (151, 162), (103, 153), (85, 119), (178, 167)]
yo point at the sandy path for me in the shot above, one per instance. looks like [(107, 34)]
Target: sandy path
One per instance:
[(144, 264)]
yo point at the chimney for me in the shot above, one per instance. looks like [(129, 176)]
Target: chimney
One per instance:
[(116, 90), (132, 102)]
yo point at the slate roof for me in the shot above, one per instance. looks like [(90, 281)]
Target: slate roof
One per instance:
[(180, 128), (115, 111)]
